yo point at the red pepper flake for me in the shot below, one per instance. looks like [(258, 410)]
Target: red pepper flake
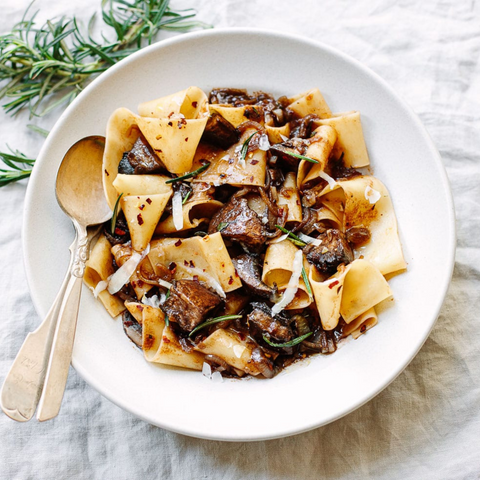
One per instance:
[(254, 162), (242, 336), (195, 277), (363, 329), (140, 284), (134, 284), (119, 231), (158, 150), (194, 104), (230, 280), (280, 211), (251, 178), (139, 307), (186, 139), (223, 265), (140, 219), (165, 340), (149, 201), (336, 282), (107, 173), (172, 266), (192, 265), (178, 243), (181, 123), (373, 208), (236, 273), (185, 263), (142, 206), (170, 124)]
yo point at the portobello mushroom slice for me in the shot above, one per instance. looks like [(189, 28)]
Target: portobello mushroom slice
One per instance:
[(333, 250), (220, 132), (189, 303), (249, 271), (140, 160)]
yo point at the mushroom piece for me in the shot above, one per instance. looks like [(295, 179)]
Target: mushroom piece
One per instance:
[(140, 159), (189, 303), (332, 251), (249, 271), (132, 329), (261, 318), (220, 132)]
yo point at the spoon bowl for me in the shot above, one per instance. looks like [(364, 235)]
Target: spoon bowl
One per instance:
[(78, 190)]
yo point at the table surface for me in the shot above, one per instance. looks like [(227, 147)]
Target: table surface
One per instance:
[(426, 424)]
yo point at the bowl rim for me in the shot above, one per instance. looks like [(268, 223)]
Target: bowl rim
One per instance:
[(450, 237)]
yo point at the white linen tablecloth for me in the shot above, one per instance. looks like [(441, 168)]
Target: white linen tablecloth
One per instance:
[(426, 424)]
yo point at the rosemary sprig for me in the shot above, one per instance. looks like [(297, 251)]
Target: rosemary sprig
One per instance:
[(49, 65), (190, 174), (115, 214), (184, 201), (301, 157), (291, 343), (212, 321), (292, 237), (20, 166), (222, 225), (244, 150), (44, 67), (307, 282)]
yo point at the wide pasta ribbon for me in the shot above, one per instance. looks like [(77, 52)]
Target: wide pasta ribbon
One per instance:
[(365, 201), (349, 293)]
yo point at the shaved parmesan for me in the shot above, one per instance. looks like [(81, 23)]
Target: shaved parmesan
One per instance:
[(328, 178), (279, 239), (123, 274), (307, 239), (373, 196), (177, 210), (208, 279), (207, 370), (101, 286), (263, 143), (217, 377), (291, 290), (283, 137), (164, 283), (152, 301)]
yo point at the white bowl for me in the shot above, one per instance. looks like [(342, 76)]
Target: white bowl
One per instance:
[(325, 387)]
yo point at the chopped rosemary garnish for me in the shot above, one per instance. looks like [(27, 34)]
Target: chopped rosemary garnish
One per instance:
[(21, 167), (167, 321), (307, 282), (114, 215), (200, 234), (292, 237), (301, 157), (184, 201), (190, 174), (244, 150), (222, 225), (212, 321), (291, 343)]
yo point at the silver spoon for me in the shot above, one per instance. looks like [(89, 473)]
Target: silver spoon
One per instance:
[(40, 370)]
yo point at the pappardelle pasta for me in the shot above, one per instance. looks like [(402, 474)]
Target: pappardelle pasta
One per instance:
[(246, 231)]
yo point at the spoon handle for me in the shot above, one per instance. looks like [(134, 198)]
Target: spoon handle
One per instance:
[(24, 382), (62, 346)]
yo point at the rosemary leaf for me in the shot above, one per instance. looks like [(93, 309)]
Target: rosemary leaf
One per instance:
[(291, 343), (184, 201), (292, 237), (307, 282), (37, 129), (222, 225), (244, 150), (212, 321), (190, 174), (301, 157), (115, 214)]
